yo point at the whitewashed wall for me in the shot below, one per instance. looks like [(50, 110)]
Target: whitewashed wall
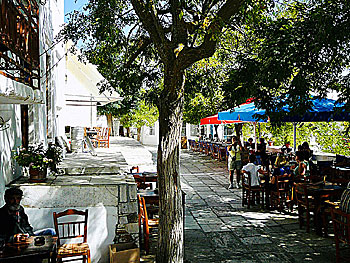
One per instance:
[(150, 139), (51, 16)]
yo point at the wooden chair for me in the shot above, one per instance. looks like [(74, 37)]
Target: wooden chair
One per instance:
[(72, 236), (249, 192), (341, 226), (140, 178), (305, 204), (280, 192), (208, 149), (221, 153), (191, 144), (196, 145), (148, 224), (214, 151), (102, 138)]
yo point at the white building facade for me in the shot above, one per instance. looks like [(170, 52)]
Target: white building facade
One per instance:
[(28, 102)]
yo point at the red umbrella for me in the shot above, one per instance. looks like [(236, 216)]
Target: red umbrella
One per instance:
[(214, 120)]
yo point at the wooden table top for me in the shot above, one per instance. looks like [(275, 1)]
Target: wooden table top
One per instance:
[(20, 250)]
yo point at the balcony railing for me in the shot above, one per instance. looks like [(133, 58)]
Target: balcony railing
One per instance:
[(19, 41)]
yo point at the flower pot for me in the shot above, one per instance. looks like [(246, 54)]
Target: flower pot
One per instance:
[(37, 175)]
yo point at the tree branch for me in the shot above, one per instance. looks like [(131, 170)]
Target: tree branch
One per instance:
[(190, 55), (179, 32), (143, 44), (148, 16)]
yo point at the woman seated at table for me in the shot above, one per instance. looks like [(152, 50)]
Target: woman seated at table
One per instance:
[(254, 170), (281, 164), (302, 168), (307, 151)]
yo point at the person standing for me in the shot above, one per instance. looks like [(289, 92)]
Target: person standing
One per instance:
[(234, 161)]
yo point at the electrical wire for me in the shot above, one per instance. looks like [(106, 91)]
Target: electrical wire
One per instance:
[(53, 45)]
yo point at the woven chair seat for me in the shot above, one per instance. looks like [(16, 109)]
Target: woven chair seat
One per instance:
[(69, 249), (153, 222)]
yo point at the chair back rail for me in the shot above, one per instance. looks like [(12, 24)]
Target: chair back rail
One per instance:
[(72, 229), (249, 193), (146, 223), (281, 192), (341, 226)]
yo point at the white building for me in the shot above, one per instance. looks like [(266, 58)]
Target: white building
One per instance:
[(150, 135), (28, 91), (81, 96)]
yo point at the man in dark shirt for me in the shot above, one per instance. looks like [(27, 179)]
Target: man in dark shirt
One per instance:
[(14, 224), (13, 220)]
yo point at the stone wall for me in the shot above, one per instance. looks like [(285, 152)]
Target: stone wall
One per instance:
[(110, 199)]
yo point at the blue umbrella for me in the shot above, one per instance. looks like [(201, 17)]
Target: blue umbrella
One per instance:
[(322, 110), (243, 112)]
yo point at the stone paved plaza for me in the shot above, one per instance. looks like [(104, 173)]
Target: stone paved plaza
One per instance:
[(219, 229)]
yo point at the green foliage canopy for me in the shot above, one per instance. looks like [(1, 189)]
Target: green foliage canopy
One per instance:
[(298, 50)]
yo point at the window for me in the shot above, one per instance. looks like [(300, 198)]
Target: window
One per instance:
[(152, 130), (183, 130), (194, 130), (19, 45), (228, 132)]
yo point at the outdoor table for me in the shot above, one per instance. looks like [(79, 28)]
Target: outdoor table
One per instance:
[(342, 172), (273, 149), (152, 197), (320, 192), (146, 177), (22, 251)]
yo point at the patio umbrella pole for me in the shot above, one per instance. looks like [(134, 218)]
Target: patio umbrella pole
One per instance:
[(256, 142), (295, 136)]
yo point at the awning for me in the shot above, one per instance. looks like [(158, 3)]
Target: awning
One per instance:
[(214, 120), (82, 84), (321, 110), (92, 100), (12, 92)]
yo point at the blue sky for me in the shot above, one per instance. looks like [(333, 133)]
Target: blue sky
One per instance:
[(70, 5)]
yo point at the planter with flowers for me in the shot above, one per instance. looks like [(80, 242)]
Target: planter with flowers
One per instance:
[(38, 159)]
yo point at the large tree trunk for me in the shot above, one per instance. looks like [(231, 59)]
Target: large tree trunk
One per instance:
[(110, 122), (170, 238), (138, 134)]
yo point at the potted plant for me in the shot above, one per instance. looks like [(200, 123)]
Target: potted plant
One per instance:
[(38, 159)]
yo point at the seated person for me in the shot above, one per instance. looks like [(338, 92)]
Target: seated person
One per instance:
[(14, 224), (280, 160), (286, 148), (280, 167), (254, 171), (249, 144), (302, 168), (307, 151)]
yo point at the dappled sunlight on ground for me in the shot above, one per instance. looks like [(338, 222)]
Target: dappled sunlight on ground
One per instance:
[(219, 229)]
